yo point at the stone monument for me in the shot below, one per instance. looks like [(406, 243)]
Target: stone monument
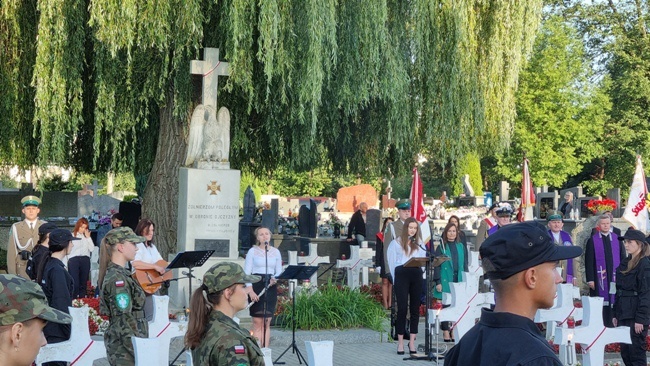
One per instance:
[(208, 202)]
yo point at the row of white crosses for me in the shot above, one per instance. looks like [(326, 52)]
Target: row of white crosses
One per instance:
[(360, 260), (466, 302), (562, 311), (81, 350)]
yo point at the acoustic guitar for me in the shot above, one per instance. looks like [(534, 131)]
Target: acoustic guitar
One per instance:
[(150, 279)]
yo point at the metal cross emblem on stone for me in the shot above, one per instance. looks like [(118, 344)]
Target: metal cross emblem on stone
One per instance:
[(210, 68)]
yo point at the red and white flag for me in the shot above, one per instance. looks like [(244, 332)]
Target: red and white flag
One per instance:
[(636, 211), (527, 194), (417, 206)]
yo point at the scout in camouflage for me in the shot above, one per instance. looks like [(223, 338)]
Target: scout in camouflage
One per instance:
[(122, 298), (23, 314), (222, 341)]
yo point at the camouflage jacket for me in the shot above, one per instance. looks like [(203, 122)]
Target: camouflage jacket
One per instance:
[(225, 343), (122, 299)]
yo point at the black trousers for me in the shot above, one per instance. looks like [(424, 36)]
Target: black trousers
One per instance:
[(407, 287), (79, 269), (634, 354)]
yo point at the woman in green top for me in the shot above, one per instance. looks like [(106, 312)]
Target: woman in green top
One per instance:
[(451, 270)]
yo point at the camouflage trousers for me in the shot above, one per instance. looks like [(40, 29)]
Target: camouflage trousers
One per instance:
[(117, 339)]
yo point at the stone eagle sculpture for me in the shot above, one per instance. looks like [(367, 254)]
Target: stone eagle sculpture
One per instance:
[(208, 144)]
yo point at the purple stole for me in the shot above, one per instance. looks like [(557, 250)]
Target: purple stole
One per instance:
[(601, 274), (493, 229), (565, 237)]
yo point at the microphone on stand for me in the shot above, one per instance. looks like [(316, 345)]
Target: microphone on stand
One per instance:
[(266, 245)]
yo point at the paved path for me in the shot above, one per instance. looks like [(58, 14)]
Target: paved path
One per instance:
[(351, 347)]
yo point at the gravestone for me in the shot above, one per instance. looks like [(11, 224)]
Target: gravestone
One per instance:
[(246, 225), (504, 191), (303, 221), (349, 198), (373, 223), (559, 314), (581, 203), (312, 259), (86, 204), (546, 202), (270, 217), (467, 186), (313, 219), (160, 325), (615, 194), (80, 348), (592, 334)]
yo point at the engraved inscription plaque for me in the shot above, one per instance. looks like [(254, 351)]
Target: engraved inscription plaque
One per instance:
[(221, 247)]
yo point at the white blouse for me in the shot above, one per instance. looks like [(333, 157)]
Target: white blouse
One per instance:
[(256, 262), (397, 257), (147, 254), (81, 248)]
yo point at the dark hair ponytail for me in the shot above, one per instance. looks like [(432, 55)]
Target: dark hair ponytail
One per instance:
[(200, 308)]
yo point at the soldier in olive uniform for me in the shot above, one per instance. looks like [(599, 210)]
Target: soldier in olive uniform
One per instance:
[(23, 314), (214, 338), (122, 298), (23, 237)]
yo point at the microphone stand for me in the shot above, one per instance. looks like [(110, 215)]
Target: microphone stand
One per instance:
[(266, 288)]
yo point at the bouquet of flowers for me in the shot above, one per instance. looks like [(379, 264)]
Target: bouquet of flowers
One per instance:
[(334, 220), (596, 206), (96, 322)]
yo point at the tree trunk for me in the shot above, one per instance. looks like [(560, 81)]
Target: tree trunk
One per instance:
[(160, 198)]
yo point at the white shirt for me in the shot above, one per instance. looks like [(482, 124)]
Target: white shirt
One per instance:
[(147, 254), (81, 248), (256, 262), (397, 256)]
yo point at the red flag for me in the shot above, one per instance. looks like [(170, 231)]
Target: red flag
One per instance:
[(527, 193), (417, 206)]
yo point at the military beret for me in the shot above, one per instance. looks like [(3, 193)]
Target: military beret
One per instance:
[(225, 274), (22, 300), (516, 247), (30, 201), (554, 217)]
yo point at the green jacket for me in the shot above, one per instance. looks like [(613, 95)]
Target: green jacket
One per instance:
[(225, 343)]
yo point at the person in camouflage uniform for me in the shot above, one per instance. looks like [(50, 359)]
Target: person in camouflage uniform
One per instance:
[(23, 314), (214, 338), (122, 298)]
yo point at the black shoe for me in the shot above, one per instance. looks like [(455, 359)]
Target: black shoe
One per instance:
[(400, 352), (412, 352)]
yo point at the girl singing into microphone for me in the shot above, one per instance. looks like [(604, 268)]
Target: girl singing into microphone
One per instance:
[(265, 261), (407, 280)]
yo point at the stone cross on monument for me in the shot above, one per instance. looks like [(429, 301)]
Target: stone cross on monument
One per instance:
[(353, 266), (313, 260), (210, 68), (592, 335)]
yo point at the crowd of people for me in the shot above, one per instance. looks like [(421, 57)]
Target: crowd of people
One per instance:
[(524, 263)]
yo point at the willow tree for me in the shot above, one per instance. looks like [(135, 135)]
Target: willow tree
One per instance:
[(357, 85)]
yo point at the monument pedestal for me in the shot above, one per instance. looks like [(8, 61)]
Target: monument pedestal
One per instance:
[(208, 219)]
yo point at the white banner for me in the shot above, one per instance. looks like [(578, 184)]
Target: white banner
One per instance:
[(636, 212)]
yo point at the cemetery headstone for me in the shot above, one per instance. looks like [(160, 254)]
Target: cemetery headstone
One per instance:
[(246, 225), (373, 223), (546, 202), (581, 204), (560, 313), (504, 190), (354, 266), (275, 206), (303, 221), (349, 198), (615, 194), (313, 219)]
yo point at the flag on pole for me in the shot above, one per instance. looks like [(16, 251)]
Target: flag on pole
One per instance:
[(417, 207), (527, 193), (636, 211)]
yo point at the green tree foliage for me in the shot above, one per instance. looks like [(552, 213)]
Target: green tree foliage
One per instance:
[(346, 84), (560, 111), (469, 164)]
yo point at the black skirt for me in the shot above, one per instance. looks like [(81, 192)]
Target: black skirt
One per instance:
[(270, 297)]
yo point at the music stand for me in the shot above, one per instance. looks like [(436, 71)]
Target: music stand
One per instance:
[(190, 260), (295, 273), (429, 263)]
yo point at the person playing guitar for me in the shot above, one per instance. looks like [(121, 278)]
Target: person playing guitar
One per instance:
[(150, 268)]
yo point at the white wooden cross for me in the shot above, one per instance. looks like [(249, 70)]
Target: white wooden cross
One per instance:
[(311, 260), (160, 326), (465, 308), (354, 265), (592, 334), (80, 349), (210, 68), (560, 312)]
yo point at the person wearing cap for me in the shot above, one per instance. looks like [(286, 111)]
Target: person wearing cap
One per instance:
[(407, 281), (57, 284), (394, 229), (40, 250), (121, 297), (486, 224), (520, 261), (632, 305), (561, 237), (504, 217), (24, 312), (212, 335), (603, 254), (23, 237)]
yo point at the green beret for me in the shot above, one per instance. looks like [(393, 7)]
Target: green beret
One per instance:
[(554, 217)]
